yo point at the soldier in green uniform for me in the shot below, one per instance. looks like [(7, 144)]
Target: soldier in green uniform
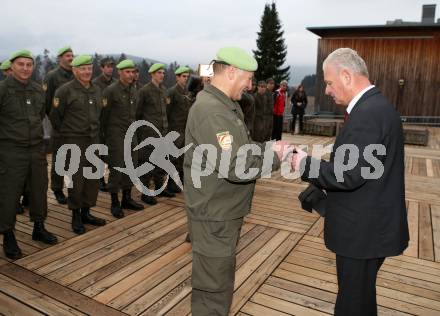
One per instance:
[(21, 152), (177, 113), (118, 114), (75, 115), (217, 204), (247, 104), (260, 107), (136, 84), (5, 67), (268, 112), (53, 80), (104, 80), (152, 107)]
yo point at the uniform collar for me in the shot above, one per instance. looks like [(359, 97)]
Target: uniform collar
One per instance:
[(12, 82), (124, 88), (221, 96), (79, 86), (64, 72), (104, 80), (180, 89)]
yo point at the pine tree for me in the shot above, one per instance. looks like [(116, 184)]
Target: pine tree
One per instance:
[(48, 64), (96, 67), (271, 51)]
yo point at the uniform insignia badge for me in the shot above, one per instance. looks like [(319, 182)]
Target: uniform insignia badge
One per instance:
[(168, 100), (90, 101), (28, 101), (104, 102), (56, 102), (44, 87), (224, 140)]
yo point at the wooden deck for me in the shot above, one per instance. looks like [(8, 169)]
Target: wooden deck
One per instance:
[(141, 265)]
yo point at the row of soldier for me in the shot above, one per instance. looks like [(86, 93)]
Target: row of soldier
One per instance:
[(84, 112)]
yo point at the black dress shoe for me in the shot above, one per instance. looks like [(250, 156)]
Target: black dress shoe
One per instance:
[(41, 234), (77, 224), (102, 185), (151, 200), (129, 203), (10, 246), (166, 193), (60, 197), (88, 218)]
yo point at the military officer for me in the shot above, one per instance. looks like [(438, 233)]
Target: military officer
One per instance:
[(177, 113), (53, 80), (247, 104), (22, 110), (5, 67), (75, 116), (268, 112), (104, 80), (118, 114), (216, 206), (260, 107), (152, 107)]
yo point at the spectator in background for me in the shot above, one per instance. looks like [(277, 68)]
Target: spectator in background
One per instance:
[(299, 103), (280, 97)]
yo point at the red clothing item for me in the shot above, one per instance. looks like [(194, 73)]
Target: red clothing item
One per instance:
[(280, 101)]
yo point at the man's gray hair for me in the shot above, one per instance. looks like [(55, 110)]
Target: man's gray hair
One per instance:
[(347, 58)]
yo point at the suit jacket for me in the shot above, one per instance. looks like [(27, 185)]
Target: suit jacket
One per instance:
[(365, 218)]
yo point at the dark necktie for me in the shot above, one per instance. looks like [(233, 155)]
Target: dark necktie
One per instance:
[(346, 116)]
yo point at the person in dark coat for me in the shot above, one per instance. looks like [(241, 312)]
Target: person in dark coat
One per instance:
[(365, 215)]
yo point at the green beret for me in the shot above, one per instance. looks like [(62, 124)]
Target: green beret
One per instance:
[(81, 60), (126, 63), (21, 53), (5, 65), (182, 70), (155, 67), (237, 57), (63, 50)]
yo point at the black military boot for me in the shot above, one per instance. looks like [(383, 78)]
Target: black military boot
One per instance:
[(116, 209), (151, 200), (129, 203), (41, 234), (77, 224), (60, 197), (10, 246), (172, 186), (88, 218), (102, 185)]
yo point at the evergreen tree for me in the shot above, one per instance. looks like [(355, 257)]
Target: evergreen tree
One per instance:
[(170, 77), (37, 72), (48, 64), (309, 83), (271, 51), (144, 76), (96, 67)]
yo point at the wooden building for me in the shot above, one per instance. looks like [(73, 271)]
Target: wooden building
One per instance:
[(403, 60)]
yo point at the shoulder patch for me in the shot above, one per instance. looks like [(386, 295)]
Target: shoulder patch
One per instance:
[(44, 86), (224, 140), (56, 102), (104, 102)]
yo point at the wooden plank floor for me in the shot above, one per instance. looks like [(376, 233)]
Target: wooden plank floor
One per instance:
[(141, 265)]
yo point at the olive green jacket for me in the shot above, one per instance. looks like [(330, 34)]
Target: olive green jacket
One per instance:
[(102, 82), (118, 113), (152, 107), (216, 121), (22, 110), (76, 110), (178, 109), (53, 80)]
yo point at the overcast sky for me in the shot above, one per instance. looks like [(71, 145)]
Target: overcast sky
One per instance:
[(186, 31)]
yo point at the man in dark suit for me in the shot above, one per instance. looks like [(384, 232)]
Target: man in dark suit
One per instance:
[(366, 218)]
